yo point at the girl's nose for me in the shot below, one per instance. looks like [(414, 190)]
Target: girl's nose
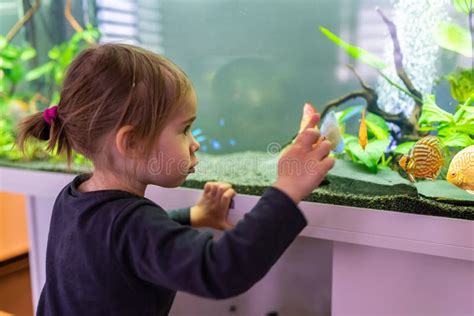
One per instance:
[(195, 146)]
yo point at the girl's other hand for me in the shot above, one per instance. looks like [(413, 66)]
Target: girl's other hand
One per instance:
[(213, 206)]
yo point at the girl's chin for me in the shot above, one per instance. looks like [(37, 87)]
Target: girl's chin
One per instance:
[(172, 182), (179, 182)]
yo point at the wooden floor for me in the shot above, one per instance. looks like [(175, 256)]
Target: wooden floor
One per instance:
[(15, 289)]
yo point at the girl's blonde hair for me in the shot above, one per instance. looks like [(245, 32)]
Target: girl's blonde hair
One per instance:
[(107, 87)]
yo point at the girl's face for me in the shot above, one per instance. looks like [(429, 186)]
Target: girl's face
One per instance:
[(173, 156)]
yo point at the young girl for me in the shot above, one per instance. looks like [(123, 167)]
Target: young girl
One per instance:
[(111, 251)]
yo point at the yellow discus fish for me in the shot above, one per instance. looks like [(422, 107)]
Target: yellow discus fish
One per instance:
[(363, 138), (425, 159), (461, 169)]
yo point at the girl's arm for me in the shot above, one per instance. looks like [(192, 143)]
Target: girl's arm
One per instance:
[(181, 215), (160, 251)]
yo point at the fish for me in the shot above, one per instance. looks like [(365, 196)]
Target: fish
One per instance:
[(363, 138), (461, 170), (331, 131), (424, 160)]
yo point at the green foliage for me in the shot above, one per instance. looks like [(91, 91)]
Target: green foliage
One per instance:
[(376, 126), (14, 105), (432, 114), (462, 84), (354, 51), (454, 38), (463, 6), (13, 64), (373, 157), (62, 55), (454, 130), (403, 148), (6, 136)]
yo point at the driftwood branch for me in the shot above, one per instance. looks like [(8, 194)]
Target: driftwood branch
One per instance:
[(334, 103), (371, 98), (18, 25), (70, 18)]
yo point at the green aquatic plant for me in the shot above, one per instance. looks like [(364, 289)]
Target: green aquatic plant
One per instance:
[(60, 56), (374, 155), (463, 6), (403, 148), (461, 82), (13, 65), (15, 103), (455, 130), (355, 52), (453, 37)]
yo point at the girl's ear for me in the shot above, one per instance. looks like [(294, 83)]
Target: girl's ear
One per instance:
[(124, 140)]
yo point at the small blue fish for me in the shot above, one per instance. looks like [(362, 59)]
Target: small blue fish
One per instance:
[(331, 130), (201, 138), (232, 142), (215, 144), (197, 132)]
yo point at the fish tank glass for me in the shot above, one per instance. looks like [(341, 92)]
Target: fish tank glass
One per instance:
[(392, 80)]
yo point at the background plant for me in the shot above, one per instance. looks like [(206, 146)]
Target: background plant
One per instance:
[(60, 56), (18, 99)]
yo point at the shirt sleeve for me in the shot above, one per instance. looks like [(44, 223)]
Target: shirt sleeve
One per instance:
[(181, 215), (160, 251)]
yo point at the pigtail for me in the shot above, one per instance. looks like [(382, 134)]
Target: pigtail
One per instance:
[(37, 127), (32, 127), (59, 139)]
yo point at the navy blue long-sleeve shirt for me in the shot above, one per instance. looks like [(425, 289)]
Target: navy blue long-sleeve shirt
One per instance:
[(111, 252)]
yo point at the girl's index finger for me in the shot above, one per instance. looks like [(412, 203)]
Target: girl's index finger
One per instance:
[(312, 122), (308, 112)]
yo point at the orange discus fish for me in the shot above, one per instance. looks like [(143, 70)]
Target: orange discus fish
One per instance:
[(425, 159), (461, 169), (363, 138)]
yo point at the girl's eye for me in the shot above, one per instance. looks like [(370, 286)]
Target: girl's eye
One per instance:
[(186, 130)]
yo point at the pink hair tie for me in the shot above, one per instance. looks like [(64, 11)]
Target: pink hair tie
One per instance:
[(50, 114)]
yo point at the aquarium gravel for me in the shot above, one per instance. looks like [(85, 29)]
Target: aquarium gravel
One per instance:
[(252, 172)]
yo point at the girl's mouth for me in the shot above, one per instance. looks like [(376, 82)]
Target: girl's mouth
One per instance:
[(192, 169)]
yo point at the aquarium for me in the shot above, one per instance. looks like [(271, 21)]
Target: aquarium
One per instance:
[(393, 81)]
